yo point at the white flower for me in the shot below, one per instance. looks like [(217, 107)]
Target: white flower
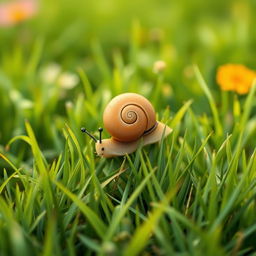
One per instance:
[(15, 95), (159, 66), (68, 80), (21, 102), (50, 73), (69, 104), (26, 104)]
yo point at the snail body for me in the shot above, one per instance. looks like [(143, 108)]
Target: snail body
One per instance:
[(111, 147), (131, 120)]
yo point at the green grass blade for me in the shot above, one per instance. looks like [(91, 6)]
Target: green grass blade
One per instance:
[(94, 220)]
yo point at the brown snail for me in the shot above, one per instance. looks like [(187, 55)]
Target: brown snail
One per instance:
[(130, 119)]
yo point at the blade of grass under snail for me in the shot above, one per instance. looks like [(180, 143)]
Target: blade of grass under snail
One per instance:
[(121, 211), (95, 221), (199, 189), (142, 233)]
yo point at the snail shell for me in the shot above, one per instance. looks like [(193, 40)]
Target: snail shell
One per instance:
[(128, 116)]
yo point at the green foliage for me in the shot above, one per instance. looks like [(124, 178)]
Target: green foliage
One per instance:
[(191, 194)]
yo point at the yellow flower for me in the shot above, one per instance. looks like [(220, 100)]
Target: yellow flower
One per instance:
[(235, 77)]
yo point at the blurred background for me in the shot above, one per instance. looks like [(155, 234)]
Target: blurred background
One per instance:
[(62, 63)]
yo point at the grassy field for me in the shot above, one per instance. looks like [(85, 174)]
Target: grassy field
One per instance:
[(192, 194)]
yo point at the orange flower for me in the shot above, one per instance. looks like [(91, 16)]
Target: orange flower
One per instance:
[(235, 77), (16, 11)]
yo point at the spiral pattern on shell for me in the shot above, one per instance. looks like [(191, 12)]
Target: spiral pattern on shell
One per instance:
[(128, 116)]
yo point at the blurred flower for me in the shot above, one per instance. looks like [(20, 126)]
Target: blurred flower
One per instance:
[(50, 73), (69, 105), (167, 90), (26, 104), (15, 95), (16, 11), (21, 102), (159, 66), (68, 80), (53, 74), (235, 77), (109, 248)]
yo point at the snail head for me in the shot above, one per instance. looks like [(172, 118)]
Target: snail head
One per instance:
[(101, 145)]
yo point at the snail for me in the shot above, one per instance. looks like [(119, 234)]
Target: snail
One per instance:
[(131, 120)]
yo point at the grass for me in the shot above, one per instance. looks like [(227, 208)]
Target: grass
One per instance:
[(192, 194)]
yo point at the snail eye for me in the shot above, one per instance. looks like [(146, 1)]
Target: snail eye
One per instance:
[(102, 149)]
